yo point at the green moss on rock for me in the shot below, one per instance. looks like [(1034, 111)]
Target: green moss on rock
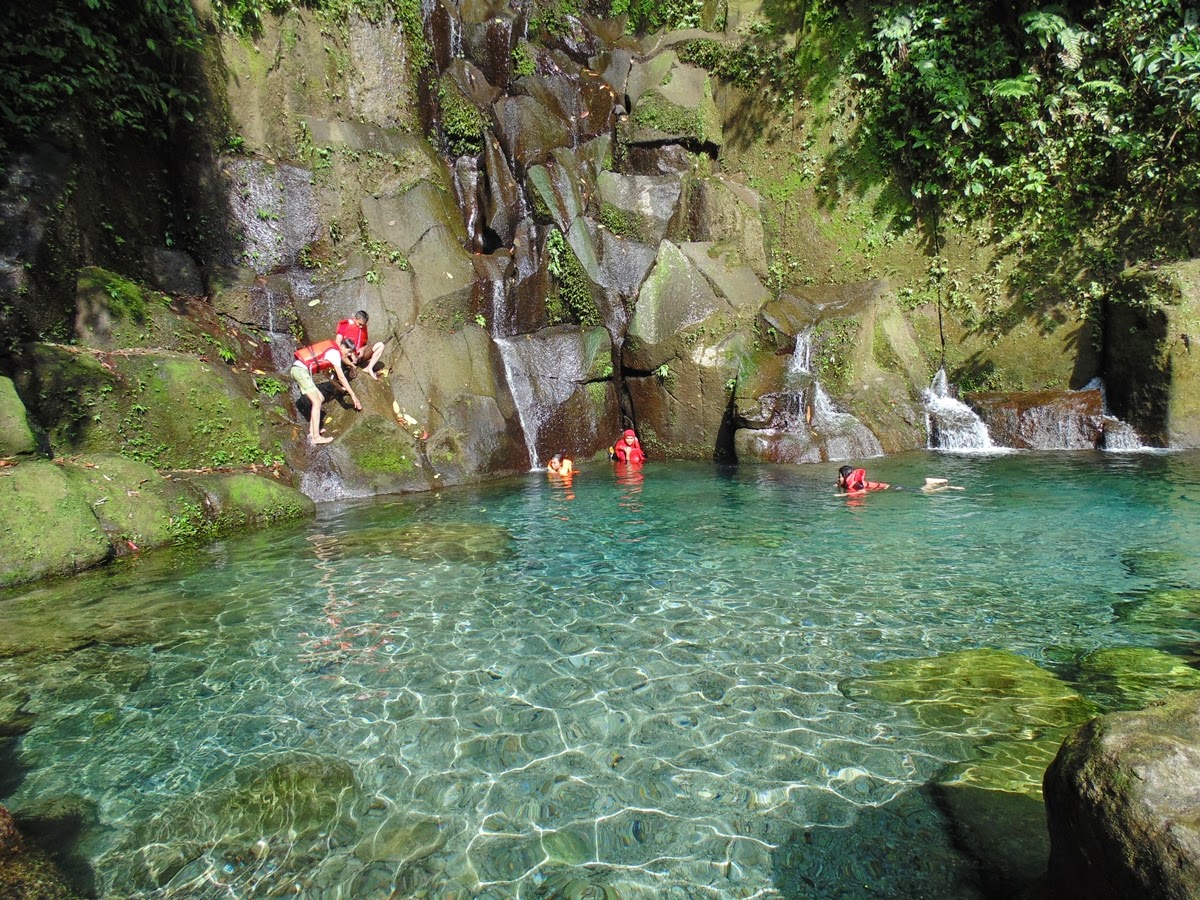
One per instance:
[(235, 502), (133, 503), (49, 527), (15, 435)]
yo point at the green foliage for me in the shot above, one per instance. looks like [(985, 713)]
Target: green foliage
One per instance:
[(551, 18), (523, 59), (1067, 121), (655, 15), (114, 62), (570, 299), (270, 387), (462, 123), (762, 62)]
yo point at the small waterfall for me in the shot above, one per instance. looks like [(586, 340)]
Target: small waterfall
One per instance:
[(544, 373), (952, 425), (801, 363), (845, 437), (520, 385), (1119, 437), (802, 425)]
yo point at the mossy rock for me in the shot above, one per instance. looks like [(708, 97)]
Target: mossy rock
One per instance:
[(166, 409), (242, 500), (136, 506), (49, 527), (1135, 677), (980, 692), (15, 435)]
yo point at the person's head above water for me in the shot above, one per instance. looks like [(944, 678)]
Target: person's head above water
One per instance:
[(844, 474), (630, 435)]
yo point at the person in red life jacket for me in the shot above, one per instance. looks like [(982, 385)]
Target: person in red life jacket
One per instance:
[(854, 481), (629, 449), (325, 356), (352, 336)]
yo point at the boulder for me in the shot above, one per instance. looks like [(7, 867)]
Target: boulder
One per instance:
[(49, 527), (238, 501), (1123, 805), (136, 506), (1042, 420), (15, 436)]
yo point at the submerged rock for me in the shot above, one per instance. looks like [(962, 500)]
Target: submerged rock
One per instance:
[(1135, 677), (979, 692), (1017, 714), (451, 542), (1123, 805)]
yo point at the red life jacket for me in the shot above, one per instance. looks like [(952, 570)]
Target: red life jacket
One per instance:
[(629, 453), (856, 483), (313, 356), (352, 333)]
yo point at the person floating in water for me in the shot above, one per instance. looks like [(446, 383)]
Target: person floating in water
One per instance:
[(629, 449), (352, 337), (560, 465), (325, 356), (854, 481)]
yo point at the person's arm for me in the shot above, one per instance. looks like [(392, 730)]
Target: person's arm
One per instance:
[(341, 374)]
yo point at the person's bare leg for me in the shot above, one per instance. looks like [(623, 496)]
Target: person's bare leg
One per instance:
[(314, 419), (376, 352)]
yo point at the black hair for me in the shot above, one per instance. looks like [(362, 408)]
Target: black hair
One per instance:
[(845, 471), (362, 314)]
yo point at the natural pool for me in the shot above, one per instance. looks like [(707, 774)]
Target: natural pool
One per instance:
[(696, 683)]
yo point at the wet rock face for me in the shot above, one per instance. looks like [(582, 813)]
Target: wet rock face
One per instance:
[(1042, 420), (1123, 805), (1151, 364)]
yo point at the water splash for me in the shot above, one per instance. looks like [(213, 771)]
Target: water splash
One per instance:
[(845, 437), (952, 425), (1119, 436), (801, 363), (520, 385)]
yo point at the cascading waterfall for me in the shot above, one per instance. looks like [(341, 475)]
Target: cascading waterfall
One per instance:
[(845, 436), (1119, 437), (520, 385), (805, 425), (952, 425)]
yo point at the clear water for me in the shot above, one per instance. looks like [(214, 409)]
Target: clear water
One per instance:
[(627, 687)]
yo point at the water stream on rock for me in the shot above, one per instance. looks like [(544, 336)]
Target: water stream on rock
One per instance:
[(951, 424), (686, 681)]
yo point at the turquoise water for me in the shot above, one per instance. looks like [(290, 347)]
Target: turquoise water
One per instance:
[(635, 686)]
